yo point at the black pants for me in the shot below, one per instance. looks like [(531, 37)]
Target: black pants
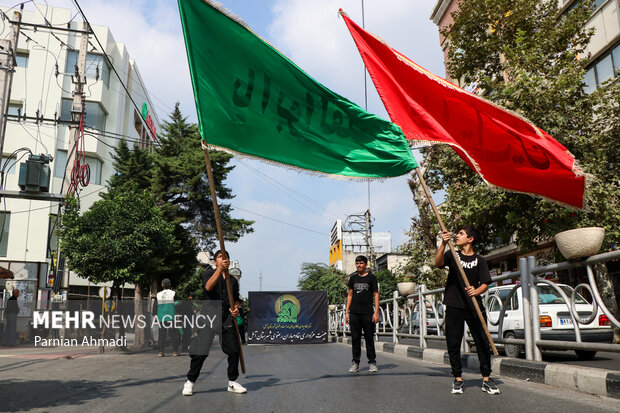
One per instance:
[(362, 323), (455, 328), (171, 332), (230, 347), (186, 338)]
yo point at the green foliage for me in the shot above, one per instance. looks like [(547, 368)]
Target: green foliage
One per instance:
[(421, 267), (172, 182), (527, 58), (191, 284), (121, 238), (131, 165), (387, 284), (320, 277), (181, 186)]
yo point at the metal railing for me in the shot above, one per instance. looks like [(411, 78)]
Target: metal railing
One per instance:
[(398, 320)]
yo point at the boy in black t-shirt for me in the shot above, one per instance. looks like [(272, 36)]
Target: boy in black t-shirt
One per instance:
[(214, 284), (363, 293), (459, 306)]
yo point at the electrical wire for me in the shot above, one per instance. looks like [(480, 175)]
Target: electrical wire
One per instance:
[(105, 54), (277, 184), (281, 222), (33, 137)]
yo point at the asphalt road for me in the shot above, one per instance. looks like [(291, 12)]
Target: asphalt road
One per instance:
[(293, 378)]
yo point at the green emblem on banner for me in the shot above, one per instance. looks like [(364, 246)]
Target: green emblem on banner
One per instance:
[(287, 308)]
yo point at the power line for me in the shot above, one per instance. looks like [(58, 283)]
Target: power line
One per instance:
[(281, 222), (105, 55), (51, 206), (275, 183)]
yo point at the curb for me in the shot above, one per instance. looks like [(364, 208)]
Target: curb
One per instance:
[(583, 379)]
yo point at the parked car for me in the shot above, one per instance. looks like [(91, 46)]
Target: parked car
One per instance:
[(554, 317), (432, 324)]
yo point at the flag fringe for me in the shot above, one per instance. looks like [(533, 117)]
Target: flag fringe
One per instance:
[(304, 171), (576, 170), (454, 87)]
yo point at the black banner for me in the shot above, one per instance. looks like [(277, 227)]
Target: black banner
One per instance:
[(296, 317)]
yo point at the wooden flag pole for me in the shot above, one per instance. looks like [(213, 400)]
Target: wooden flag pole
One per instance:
[(220, 234), (456, 258)]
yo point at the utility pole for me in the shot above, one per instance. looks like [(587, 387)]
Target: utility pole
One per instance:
[(8, 51), (361, 224), (260, 281), (79, 80), (371, 252), (77, 110)]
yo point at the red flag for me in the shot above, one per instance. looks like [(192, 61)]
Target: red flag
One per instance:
[(506, 149)]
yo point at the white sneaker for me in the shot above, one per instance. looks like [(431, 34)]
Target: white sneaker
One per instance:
[(235, 387), (354, 368), (372, 368), (188, 388)]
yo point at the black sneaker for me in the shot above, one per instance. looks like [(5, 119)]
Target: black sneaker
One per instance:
[(489, 387), (457, 387)]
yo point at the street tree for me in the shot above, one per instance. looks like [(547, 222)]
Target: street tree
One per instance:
[(320, 277), (181, 186), (387, 284), (123, 238), (528, 58)]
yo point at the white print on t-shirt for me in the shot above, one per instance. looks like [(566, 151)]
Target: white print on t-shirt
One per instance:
[(469, 265), (359, 287)]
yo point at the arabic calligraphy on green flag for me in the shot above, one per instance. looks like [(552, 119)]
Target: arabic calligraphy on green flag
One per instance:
[(252, 100)]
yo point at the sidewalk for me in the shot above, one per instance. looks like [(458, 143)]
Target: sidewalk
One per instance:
[(586, 380), (30, 351)]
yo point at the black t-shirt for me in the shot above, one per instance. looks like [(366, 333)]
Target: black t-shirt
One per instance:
[(219, 292), (477, 273), (363, 289)]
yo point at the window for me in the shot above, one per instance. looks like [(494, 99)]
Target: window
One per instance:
[(615, 56), (602, 69), (10, 167), (605, 69), (95, 170), (21, 59), (93, 61), (5, 223), (595, 6), (60, 162), (515, 300), (93, 163), (15, 109), (590, 81), (598, 3), (95, 115)]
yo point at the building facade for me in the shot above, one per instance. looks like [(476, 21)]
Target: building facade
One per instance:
[(46, 59), (345, 245), (603, 50)]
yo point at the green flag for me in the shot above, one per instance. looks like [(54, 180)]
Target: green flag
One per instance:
[(254, 101)]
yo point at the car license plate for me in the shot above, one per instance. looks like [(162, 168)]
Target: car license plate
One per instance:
[(566, 321)]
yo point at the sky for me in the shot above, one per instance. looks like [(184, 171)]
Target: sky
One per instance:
[(293, 212)]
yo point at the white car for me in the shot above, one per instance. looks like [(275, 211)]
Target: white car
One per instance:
[(555, 319)]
